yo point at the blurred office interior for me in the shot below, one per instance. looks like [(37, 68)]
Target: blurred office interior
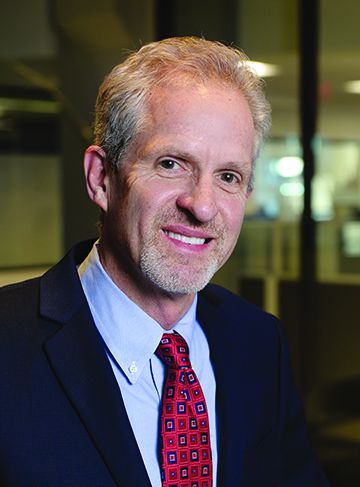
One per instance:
[(299, 252)]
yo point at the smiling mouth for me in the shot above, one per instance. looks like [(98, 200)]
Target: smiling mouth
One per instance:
[(187, 240)]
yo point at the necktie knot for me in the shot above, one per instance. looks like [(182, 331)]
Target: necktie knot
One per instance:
[(174, 351)]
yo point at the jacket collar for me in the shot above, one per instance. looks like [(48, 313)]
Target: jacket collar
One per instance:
[(77, 358)]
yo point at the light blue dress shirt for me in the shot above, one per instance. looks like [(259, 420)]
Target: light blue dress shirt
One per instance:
[(131, 338)]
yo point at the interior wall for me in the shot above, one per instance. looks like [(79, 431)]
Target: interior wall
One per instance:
[(84, 56)]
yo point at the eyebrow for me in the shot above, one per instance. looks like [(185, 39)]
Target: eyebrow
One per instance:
[(169, 150), (173, 151), (181, 154)]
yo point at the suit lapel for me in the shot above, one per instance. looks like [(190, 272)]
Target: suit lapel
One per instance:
[(77, 358), (231, 386)]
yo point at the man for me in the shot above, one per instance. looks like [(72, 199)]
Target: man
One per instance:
[(178, 127)]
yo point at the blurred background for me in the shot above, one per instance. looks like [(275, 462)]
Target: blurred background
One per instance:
[(299, 252)]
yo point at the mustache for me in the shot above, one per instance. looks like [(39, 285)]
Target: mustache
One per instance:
[(184, 217)]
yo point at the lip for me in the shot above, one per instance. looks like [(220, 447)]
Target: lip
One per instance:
[(187, 232)]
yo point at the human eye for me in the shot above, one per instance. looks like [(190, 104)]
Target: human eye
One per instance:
[(232, 181), (230, 178), (169, 164), (169, 167)]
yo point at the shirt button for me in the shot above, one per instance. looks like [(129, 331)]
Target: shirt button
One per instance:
[(133, 368)]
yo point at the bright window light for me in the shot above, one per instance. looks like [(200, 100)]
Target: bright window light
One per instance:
[(290, 166), (264, 70), (353, 87), (292, 189)]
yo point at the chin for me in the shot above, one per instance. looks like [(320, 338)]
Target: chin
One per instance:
[(177, 282)]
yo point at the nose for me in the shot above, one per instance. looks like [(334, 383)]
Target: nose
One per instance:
[(199, 199)]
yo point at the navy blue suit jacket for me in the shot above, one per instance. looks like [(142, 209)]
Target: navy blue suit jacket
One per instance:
[(62, 417)]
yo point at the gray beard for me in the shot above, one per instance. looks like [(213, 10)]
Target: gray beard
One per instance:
[(155, 267)]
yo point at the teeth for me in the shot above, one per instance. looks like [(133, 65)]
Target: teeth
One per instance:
[(183, 238)]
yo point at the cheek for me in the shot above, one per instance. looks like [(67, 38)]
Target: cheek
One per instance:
[(142, 207), (148, 198), (234, 216)]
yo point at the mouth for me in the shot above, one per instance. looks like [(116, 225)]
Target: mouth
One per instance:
[(186, 239)]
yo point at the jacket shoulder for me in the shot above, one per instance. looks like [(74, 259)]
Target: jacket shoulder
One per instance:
[(223, 310), (232, 303), (17, 299)]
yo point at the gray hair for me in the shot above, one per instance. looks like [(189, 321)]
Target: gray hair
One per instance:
[(124, 94)]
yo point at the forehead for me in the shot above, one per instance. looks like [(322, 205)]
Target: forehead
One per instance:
[(210, 114)]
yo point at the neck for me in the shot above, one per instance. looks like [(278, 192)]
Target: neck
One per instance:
[(164, 307)]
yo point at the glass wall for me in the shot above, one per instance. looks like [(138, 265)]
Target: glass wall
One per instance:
[(30, 164), (268, 263), (268, 249), (30, 183)]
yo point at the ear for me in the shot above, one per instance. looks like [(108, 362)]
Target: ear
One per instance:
[(96, 177), (249, 191)]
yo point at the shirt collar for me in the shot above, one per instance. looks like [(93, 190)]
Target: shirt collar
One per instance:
[(130, 335)]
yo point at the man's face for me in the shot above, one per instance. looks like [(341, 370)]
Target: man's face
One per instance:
[(176, 207)]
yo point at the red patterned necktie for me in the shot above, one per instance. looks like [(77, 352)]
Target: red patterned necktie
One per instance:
[(185, 437)]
